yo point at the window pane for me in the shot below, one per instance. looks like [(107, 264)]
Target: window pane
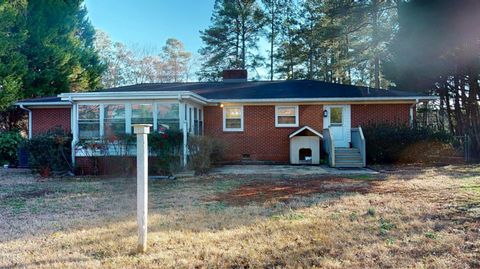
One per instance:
[(286, 120), (195, 121), (89, 112), (168, 116), (336, 115), (142, 114), (233, 113), (88, 121), (233, 123), (287, 115), (114, 120), (286, 111)]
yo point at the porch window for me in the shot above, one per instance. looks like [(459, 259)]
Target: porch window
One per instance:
[(88, 121), (233, 118), (200, 124), (114, 119), (195, 121), (286, 116), (142, 114), (168, 116)]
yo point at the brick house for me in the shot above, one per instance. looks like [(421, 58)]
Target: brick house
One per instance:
[(259, 121)]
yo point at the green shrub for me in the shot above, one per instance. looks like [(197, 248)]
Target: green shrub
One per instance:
[(399, 143), (50, 152), (166, 149), (9, 142), (204, 152)]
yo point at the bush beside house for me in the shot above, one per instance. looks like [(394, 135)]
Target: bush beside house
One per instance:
[(399, 143), (204, 152), (9, 143), (50, 152)]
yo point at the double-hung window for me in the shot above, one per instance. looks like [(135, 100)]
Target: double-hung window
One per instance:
[(114, 119), (286, 116), (88, 121), (168, 116), (233, 119)]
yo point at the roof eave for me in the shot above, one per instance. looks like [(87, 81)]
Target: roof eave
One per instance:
[(336, 99), (42, 104), (98, 96)]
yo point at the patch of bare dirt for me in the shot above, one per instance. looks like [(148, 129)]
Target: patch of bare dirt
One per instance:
[(284, 190)]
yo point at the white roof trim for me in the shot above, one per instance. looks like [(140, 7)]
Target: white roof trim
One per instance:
[(303, 129), (43, 103), (138, 95), (96, 96), (339, 99)]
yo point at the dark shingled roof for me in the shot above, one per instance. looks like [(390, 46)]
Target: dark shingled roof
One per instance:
[(268, 89), (299, 89), (49, 99)]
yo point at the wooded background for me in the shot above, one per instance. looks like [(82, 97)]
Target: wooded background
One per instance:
[(49, 46)]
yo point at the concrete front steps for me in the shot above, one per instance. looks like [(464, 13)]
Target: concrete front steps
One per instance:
[(348, 158)]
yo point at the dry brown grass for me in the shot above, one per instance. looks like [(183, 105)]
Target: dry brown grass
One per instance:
[(411, 217)]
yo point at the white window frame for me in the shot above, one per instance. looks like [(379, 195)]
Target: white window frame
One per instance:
[(284, 124), (225, 129), (100, 120), (103, 115)]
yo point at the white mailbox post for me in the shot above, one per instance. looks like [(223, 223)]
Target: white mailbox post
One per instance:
[(142, 130)]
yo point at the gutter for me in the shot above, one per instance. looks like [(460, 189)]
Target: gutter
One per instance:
[(336, 99), (29, 120)]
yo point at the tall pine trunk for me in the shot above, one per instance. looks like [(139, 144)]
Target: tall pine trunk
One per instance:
[(376, 60)]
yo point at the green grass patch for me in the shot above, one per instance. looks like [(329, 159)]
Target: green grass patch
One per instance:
[(386, 226)]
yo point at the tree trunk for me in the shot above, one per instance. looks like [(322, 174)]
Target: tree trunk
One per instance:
[(376, 61), (272, 40)]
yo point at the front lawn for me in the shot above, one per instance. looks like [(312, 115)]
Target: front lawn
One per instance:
[(404, 217)]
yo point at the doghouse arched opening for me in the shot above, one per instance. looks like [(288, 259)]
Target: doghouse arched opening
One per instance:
[(305, 155)]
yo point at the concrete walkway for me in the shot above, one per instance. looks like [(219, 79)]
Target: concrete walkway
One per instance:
[(287, 170)]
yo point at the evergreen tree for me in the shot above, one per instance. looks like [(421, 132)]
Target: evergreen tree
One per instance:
[(437, 50), (289, 50), (13, 65), (59, 49), (275, 10), (231, 40)]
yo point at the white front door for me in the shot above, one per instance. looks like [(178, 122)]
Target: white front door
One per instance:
[(338, 120)]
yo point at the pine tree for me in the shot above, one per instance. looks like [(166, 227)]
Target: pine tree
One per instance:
[(437, 50), (231, 40), (274, 11), (289, 49)]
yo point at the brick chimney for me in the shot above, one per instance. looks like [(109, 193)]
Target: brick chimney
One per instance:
[(235, 75)]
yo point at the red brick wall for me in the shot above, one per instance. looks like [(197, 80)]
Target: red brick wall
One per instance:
[(44, 119), (381, 113), (260, 138)]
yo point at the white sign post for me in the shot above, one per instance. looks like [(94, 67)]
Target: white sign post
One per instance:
[(142, 130)]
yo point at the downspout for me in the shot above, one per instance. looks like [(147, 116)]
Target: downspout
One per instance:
[(412, 107), (29, 120), (184, 130), (73, 124)]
